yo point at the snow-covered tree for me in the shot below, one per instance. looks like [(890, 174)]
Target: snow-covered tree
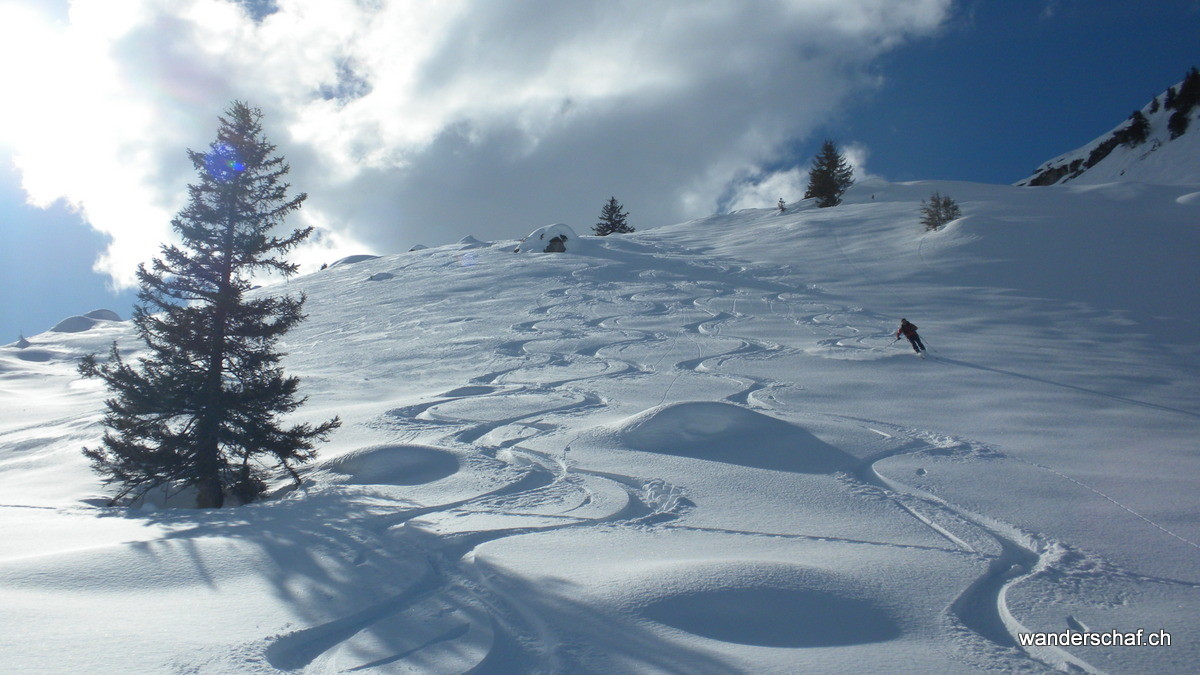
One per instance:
[(938, 211), (202, 408), (829, 177), (612, 220)]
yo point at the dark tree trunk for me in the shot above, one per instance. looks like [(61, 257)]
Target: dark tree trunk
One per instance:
[(209, 494)]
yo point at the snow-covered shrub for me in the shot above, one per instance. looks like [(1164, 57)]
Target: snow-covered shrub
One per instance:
[(938, 211)]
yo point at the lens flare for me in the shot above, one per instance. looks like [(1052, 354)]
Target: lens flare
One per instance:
[(223, 163)]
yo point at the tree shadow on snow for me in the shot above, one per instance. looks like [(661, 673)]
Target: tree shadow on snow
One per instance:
[(575, 635)]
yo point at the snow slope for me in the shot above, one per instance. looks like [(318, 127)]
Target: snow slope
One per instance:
[(1160, 159), (691, 449)]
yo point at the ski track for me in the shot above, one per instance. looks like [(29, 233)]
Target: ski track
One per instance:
[(585, 311)]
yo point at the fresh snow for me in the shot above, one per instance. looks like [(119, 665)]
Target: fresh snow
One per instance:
[(695, 448)]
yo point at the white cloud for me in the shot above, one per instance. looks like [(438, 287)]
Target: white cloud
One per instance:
[(426, 120), (763, 189), (763, 192)]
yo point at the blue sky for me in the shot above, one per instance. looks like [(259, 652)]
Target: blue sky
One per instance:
[(46, 257), (506, 116), (1009, 85)]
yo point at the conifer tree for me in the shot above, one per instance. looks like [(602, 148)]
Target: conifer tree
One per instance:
[(201, 408), (829, 177), (1187, 98), (938, 211), (612, 220), (1138, 130)]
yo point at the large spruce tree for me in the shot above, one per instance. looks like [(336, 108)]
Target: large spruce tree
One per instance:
[(612, 219), (829, 176), (202, 408)]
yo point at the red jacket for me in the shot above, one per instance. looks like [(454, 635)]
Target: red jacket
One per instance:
[(907, 328)]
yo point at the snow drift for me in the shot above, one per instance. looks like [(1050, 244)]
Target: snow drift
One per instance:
[(722, 432)]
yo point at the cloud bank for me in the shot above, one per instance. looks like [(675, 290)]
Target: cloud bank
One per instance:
[(425, 120)]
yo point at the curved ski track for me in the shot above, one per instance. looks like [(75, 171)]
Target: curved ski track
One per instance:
[(562, 331)]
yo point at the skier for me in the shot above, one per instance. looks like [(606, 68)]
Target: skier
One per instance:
[(781, 206), (909, 331)]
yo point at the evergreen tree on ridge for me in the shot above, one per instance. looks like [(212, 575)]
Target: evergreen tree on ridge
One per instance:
[(612, 220), (829, 177)]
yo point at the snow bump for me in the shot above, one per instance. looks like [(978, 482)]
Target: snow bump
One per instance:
[(769, 605), (395, 465), (723, 432), (351, 259), (35, 355), (78, 324)]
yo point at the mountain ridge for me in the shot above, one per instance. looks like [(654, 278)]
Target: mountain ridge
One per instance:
[(1157, 144)]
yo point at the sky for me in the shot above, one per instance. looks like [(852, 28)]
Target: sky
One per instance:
[(428, 120)]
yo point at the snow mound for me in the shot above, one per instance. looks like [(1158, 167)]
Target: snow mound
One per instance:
[(37, 355), (103, 315), (381, 276), (73, 324), (78, 324), (768, 605), (723, 432), (351, 259), (471, 242), (542, 240), (394, 465), (418, 247)]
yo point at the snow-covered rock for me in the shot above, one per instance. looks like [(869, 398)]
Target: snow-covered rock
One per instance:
[(556, 238)]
